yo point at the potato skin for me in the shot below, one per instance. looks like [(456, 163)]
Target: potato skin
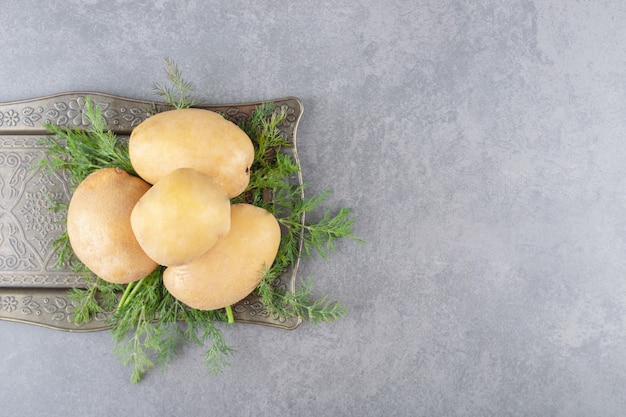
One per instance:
[(181, 217), (192, 138), (98, 226), (233, 267)]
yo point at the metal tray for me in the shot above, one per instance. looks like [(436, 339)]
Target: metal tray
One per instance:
[(32, 289)]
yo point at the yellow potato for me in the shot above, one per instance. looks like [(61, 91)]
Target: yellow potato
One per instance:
[(98, 226), (192, 138), (181, 217), (233, 267)]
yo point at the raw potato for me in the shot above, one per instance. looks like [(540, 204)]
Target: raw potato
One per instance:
[(231, 269), (99, 230), (192, 138), (181, 217)]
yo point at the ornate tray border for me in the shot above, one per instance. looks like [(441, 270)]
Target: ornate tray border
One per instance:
[(39, 297)]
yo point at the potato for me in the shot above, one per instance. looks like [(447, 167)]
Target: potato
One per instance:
[(233, 267), (181, 217), (192, 138), (99, 230)]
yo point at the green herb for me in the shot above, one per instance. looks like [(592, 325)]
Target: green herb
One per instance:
[(178, 93), (319, 236), (300, 304), (271, 187), (148, 328), (78, 152), (148, 325), (98, 299)]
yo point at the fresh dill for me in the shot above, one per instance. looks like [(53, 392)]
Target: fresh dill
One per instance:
[(178, 92), (270, 177), (79, 152), (148, 325), (97, 299), (298, 304)]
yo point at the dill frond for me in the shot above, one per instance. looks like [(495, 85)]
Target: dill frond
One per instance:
[(178, 93), (300, 303), (79, 152)]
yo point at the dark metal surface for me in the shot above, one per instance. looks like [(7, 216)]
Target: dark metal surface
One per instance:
[(32, 289)]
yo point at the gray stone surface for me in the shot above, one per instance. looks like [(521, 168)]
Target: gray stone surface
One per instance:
[(481, 145)]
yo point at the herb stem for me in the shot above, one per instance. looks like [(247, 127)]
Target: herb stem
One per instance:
[(125, 295), (131, 289), (136, 287), (229, 314)]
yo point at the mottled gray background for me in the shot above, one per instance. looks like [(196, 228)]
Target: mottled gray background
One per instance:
[(482, 146)]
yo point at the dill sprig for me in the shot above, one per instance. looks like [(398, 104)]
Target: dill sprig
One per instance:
[(79, 152), (320, 236), (271, 168), (150, 325), (301, 304), (316, 237), (98, 298), (178, 93), (271, 187)]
